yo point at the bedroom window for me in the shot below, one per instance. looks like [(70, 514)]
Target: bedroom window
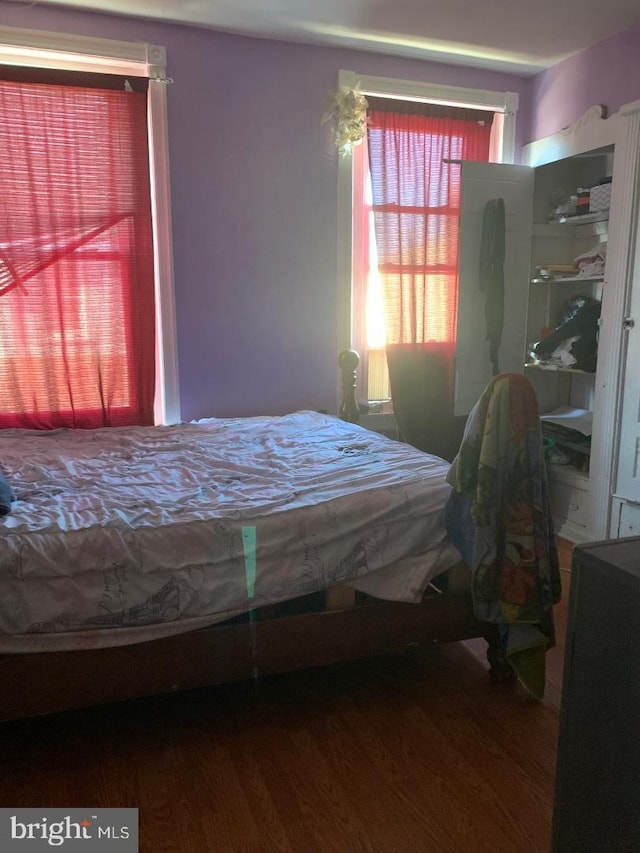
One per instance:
[(87, 334), (362, 318)]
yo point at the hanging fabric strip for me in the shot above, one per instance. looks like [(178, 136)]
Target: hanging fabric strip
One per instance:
[(491, 275)]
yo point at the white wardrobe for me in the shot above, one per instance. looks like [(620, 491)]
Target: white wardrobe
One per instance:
[(591, 413)]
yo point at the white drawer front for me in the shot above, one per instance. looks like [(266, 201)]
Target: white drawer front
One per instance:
[(629, 520), (568, 503)]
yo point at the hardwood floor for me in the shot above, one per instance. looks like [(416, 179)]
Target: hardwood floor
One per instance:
[(420, 754)]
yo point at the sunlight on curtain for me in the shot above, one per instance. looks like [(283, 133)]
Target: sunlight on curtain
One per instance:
[(416, 204), (376, 336), (77, 338), (368, 332)]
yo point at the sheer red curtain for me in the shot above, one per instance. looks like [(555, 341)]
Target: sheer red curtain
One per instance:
[(77, 327), (416, 202)]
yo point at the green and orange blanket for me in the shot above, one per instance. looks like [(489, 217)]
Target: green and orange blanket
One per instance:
[(498, 517)]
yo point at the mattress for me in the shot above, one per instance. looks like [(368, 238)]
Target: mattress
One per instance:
[(121, 535)]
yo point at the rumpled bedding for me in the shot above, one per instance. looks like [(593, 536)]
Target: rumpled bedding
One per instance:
[(121, 535)]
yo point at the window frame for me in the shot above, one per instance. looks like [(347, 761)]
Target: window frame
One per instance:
[(504, 104), (40, 49)]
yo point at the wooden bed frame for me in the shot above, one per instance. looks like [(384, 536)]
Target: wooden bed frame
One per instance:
[(335, 626)]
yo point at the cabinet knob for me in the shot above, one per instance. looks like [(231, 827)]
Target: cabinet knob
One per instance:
[(628, 323)]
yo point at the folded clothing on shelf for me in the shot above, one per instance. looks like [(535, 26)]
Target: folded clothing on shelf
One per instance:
[(592, 263), (574, 341)]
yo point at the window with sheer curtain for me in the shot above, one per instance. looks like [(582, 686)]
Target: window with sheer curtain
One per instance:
[(361, 317), (413, 149), (414, 154), (77, 315)]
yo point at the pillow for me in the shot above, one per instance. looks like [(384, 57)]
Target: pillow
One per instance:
[(6, 496)]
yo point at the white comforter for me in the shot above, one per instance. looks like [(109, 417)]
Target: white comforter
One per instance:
[(126, 534)]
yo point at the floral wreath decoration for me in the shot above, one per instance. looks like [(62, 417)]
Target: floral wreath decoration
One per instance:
[(347, 110)]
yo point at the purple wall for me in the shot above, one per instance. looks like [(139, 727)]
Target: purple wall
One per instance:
[(254, 181), (607, 73)]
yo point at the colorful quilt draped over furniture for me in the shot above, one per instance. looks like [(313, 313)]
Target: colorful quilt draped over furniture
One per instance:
[(498, 517)]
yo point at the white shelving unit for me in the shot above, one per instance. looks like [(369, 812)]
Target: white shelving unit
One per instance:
[(599, 496), (555, 243)]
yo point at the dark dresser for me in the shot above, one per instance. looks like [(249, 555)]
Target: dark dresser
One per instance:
[(597, 792)]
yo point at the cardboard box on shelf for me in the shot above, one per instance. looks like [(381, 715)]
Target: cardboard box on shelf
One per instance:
[(600, 197)]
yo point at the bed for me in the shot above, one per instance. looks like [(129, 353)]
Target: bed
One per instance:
[(141, 560)]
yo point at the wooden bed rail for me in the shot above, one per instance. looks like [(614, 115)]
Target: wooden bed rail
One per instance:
[(45, 683)]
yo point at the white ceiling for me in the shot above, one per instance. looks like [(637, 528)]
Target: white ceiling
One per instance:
[(521, 36)]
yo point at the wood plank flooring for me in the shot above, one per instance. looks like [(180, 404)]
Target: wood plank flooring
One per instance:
[(418, 754)]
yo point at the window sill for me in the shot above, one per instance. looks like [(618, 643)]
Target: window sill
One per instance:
[(383, 422)]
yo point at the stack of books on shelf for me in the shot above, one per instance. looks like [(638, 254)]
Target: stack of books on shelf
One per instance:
[(554, 271)]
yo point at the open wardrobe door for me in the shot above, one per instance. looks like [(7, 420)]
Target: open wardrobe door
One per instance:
[(495, 243)]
